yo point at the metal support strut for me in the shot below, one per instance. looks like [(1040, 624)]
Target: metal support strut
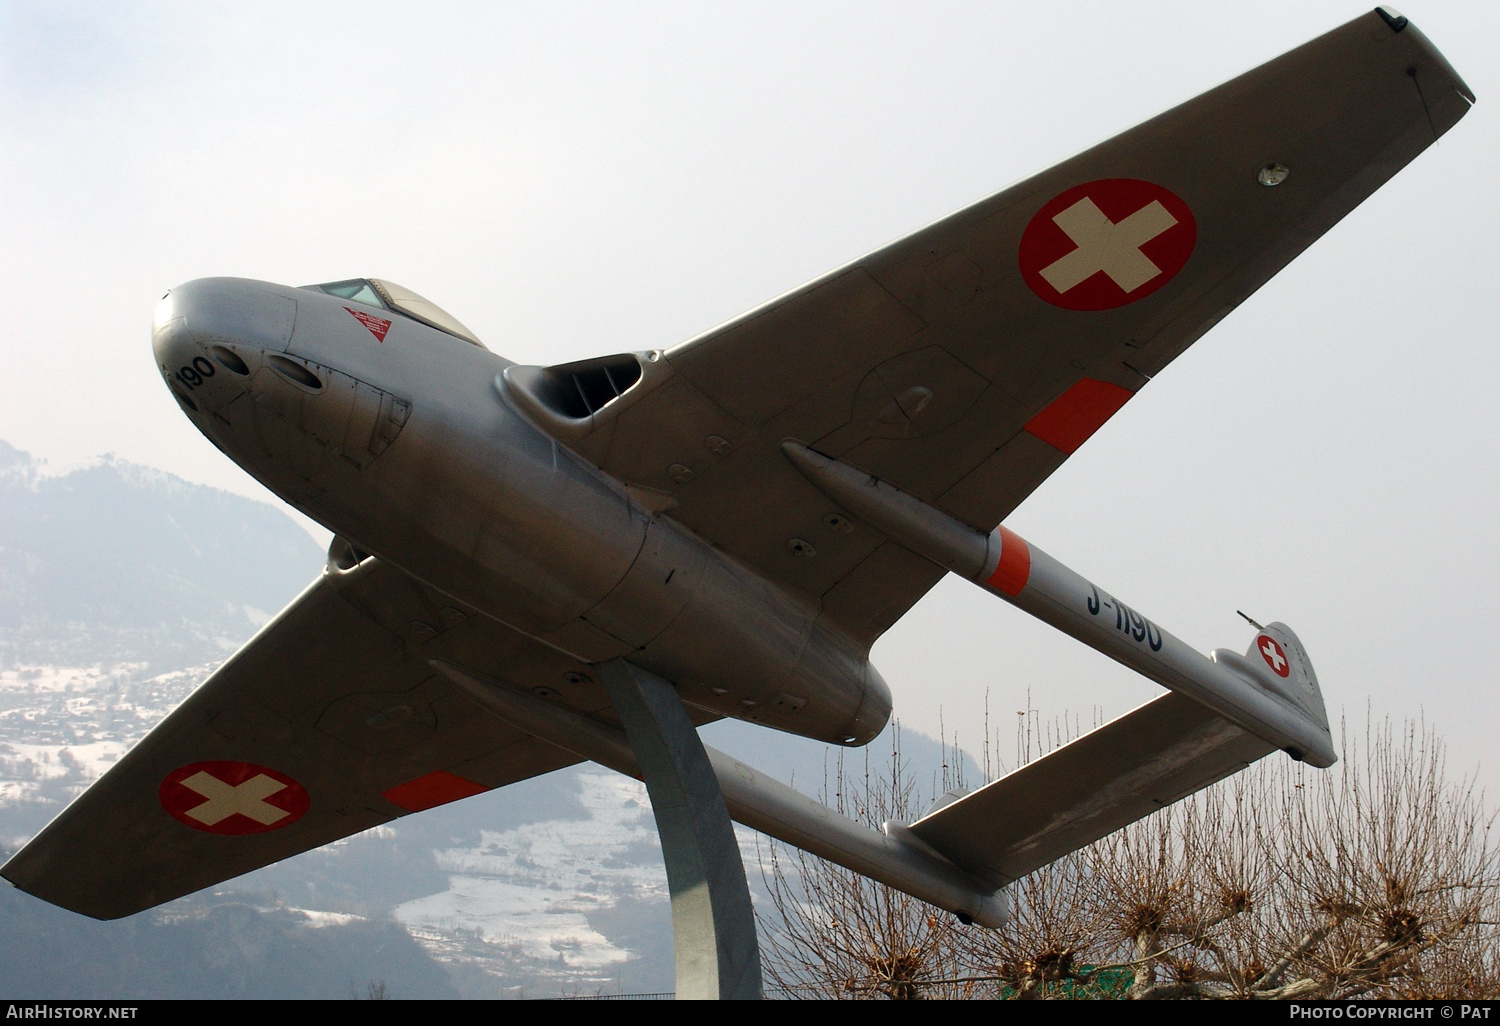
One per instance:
[(713, 923)]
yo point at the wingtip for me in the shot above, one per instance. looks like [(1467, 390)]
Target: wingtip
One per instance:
[(1393, 18)]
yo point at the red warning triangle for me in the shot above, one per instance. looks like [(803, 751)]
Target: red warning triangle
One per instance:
[(378, 325)]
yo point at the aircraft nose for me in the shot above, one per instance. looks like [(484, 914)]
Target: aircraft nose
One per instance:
[(215, 324), (209, 310)]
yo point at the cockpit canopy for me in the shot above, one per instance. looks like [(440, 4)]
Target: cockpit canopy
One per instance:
[(387, 295)]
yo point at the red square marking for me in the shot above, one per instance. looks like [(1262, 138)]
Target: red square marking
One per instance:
[(1080, 411), (436, 788)]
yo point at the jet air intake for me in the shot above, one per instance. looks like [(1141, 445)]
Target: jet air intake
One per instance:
[(1271, 691)]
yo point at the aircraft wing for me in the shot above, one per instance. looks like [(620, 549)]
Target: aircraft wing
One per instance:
[(330, 721), (967, 361)]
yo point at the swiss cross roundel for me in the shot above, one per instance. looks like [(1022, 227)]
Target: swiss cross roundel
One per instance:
[(1103, 244), (1273, 654), (233, 797)]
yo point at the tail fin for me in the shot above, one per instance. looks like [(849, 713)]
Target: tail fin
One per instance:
[(1277, 661)]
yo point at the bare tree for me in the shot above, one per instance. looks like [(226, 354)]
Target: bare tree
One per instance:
[(839, 934), (1378, 878)]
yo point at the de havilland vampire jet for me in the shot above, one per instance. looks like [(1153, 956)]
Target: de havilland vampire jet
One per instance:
[(740, 516)]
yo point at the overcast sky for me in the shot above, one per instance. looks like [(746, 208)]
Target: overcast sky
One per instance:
[(575, 180)]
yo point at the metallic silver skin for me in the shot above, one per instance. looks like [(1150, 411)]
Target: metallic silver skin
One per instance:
[(1288, 714), (653, 517), (895, 857), (404, 448)]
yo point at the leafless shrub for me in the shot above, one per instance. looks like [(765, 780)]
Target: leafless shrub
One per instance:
[(837, 934), (1378, 878)]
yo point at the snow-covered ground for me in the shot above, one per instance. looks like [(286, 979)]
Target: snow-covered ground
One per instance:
[(530, 890), (61, 727)]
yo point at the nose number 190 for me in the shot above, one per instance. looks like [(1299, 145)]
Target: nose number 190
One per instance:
[(191, 375)]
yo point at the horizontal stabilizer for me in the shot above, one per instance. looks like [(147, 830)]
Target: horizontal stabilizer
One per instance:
[(1106, 779)]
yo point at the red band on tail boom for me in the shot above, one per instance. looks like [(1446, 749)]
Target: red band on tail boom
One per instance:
[(1014, 570)]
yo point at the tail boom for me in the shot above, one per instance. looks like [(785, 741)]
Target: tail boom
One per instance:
[(1283, 709)]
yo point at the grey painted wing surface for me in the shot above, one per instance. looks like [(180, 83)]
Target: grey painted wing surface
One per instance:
[(1110, 777), (925, 361), (335, 697)]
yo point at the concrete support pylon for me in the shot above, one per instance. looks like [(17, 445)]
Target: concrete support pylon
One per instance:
[(713, 922)]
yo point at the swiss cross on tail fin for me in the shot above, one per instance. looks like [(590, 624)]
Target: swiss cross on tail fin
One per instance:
[(1271, 652), (1288, 670)]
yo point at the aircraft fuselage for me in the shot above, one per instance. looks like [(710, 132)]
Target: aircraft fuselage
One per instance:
[(394, 435)]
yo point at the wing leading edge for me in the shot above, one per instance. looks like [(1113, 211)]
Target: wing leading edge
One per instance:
[(330, 721), (967, 361)]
